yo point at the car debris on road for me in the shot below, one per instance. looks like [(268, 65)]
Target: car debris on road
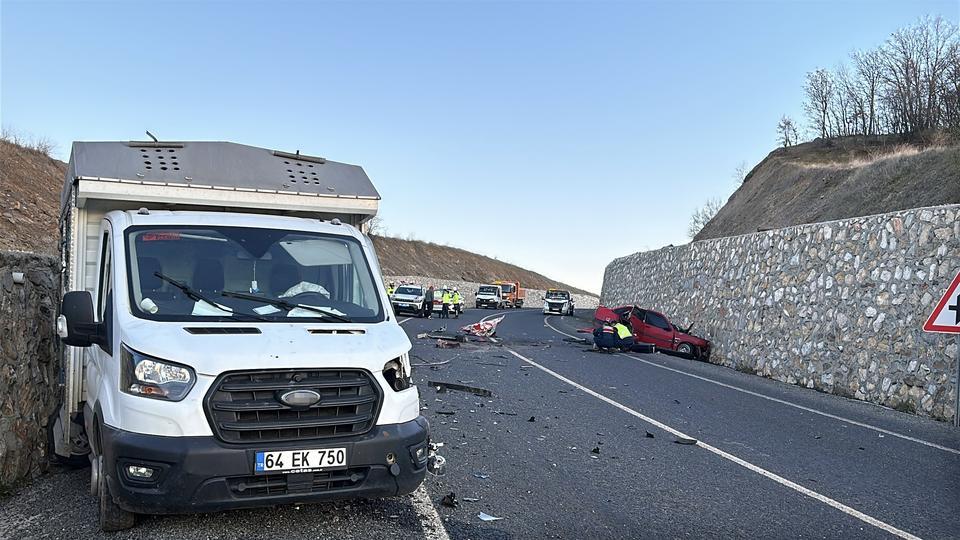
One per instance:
[(483, 328), (444, 386), (487, 517)]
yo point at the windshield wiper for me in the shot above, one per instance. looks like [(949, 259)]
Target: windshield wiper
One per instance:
[(283, 304), (194, 295)]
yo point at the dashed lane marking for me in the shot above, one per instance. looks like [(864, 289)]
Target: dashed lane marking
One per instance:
[(726, 455), (778, 400)]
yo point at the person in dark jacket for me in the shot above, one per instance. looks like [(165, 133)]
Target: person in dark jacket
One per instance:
[(428, 303), (605, 336)]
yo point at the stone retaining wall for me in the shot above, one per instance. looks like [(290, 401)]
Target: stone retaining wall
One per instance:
[(837, 306), (28, 362), (534, 297)]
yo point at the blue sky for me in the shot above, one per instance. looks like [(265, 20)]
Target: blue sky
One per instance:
[(554, 135)]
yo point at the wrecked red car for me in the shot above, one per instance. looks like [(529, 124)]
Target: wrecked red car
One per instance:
[(655, 328)]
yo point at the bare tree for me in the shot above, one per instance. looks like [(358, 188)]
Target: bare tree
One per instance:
[(819, 91), (910, 84), (869, 69), (701, 216), (740, 173), (787, 134), (375, 226)]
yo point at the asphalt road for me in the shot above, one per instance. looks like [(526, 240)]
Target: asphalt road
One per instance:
[(577, 444)]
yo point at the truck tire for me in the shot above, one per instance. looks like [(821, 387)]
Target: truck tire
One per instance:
[(685, 349), (112, 517)]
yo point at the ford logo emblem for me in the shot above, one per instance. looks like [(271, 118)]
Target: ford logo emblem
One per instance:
[(299, 398)]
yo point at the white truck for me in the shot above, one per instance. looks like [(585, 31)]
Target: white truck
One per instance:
[(489, 296), (229, 339)]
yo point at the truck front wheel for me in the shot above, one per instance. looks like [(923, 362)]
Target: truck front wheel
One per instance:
[(112, 517), (685, 349)]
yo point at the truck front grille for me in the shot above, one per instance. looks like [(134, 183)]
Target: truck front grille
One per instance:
[(289, 484), (245, 407)]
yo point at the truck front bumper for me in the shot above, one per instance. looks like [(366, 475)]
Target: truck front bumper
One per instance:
[(202, 474)]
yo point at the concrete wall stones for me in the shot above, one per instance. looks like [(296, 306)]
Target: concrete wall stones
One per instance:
[(28, 362), (837, 306)]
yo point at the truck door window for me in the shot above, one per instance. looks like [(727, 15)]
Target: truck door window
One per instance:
[(104, 286)]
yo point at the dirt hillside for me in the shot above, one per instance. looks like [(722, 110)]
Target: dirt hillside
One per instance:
[(832, 179), (414, 258), (30, 184)]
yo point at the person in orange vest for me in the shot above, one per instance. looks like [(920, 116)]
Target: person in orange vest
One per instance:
[(605, 336)]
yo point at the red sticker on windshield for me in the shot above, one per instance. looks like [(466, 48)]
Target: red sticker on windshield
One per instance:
[(153, 237)]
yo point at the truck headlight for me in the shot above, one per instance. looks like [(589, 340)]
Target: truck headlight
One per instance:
[(398, 374), (144, 376)]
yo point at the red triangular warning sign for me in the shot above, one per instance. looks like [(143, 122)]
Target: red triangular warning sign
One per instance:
[(946, 316)]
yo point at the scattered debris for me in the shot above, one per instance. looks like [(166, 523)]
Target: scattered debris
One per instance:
[(481, 476), (575, 340), (447, 413), (483, 328), (501, 356), (444, 344), (436, 464), (487, 517), (470, 499), (677, 401), (685, 440), (441, 330), (444, 386), (431, 364), (505, 413), (532, 419), (491, 364), (450, 500), (422, 335), (448, 337), (649, 435), (596, 450), (816, 436)]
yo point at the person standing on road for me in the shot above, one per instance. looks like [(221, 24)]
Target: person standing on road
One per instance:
[(445, 300), (428, 303), (390, 288), (456, 303)]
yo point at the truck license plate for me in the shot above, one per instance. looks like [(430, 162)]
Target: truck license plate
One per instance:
[(301, 460)]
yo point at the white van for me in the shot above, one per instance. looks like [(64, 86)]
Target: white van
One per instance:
[(230, 339)]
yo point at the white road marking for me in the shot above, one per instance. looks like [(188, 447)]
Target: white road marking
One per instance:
[(750, 466), (430, 521), (405, 320), (781, 401)]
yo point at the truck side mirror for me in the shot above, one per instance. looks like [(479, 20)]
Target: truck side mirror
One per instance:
[(75, 325)]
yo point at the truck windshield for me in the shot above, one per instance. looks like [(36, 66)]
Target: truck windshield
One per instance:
[(557, 295), (506, 288), (323, 273), (488, 290)]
